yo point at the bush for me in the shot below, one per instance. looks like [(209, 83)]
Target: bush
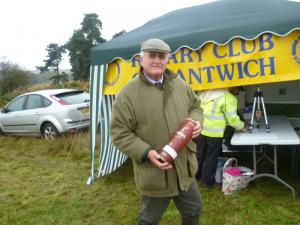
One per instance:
[(4, 99)]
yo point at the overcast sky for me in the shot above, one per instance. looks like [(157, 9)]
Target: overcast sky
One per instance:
[(27, 27)]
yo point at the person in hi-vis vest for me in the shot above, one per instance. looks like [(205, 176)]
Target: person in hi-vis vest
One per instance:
[(219, 110)]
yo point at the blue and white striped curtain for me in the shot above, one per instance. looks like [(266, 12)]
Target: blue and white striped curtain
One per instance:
[(110, 158)]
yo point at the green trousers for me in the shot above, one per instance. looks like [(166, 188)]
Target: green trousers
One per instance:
[(187, 202)]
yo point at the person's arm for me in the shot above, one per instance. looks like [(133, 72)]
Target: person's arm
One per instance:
[(122, 130), (230, 111)]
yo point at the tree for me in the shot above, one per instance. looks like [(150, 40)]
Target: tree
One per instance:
[(79, 51), (54, 57), (80, 44), (91, 27), (63, 77), (12, 76)]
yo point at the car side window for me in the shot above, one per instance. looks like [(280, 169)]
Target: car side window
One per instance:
[(17, 104), (34, 102), (46, 101)]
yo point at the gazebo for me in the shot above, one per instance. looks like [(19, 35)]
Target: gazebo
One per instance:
[(219, 44)]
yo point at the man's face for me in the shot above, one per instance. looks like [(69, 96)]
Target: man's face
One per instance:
[(154, 64)]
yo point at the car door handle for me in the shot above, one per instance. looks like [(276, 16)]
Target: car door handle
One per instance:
[(17, 115), (37, 113)]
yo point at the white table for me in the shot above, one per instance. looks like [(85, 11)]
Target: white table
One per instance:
[(281, 133)]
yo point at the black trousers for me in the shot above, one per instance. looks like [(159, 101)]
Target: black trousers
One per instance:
[(187, 202), (208, 151)]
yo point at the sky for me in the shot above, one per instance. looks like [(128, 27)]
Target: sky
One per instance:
[(27, 27)]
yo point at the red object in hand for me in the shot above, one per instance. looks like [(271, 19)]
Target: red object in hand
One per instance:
[(178, 142)]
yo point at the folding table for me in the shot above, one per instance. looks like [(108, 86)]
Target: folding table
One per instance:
[(281, 133)]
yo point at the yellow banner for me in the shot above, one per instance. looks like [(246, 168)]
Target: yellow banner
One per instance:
[(269, 58)]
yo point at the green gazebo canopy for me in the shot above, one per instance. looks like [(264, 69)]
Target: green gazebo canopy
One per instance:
[(217, 22)]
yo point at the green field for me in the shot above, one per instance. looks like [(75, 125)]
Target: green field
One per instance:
[(44, 182)]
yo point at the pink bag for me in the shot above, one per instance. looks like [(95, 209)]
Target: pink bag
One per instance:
[(235, 177), (233, 171)]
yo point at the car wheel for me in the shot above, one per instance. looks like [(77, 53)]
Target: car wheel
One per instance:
[(49, 131)]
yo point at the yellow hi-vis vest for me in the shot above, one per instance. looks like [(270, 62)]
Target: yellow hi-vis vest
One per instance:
[(218, 113)]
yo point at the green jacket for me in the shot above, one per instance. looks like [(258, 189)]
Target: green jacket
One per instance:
[(146, 117), (219, 112)]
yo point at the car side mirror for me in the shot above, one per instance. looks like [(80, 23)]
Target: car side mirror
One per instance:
[(4, 110)]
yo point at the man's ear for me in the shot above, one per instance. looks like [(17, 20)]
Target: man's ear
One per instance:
[(141, 59)]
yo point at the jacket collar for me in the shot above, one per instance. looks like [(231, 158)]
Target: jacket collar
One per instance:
[(168, 75)]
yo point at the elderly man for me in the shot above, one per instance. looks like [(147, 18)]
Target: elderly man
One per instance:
[(145, 115)]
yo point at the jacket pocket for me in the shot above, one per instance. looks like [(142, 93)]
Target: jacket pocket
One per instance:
[(192, 146), (150, 178)]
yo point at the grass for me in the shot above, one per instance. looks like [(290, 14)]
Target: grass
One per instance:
[(44, 182)]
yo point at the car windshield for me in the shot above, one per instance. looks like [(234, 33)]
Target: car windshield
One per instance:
[(74, 97)]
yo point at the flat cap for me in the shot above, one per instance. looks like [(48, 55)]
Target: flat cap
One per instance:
[(155, 45)]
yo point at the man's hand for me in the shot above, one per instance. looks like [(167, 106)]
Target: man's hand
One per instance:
[(246, 126), (244, 129), (157, 161), (197, 128)]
